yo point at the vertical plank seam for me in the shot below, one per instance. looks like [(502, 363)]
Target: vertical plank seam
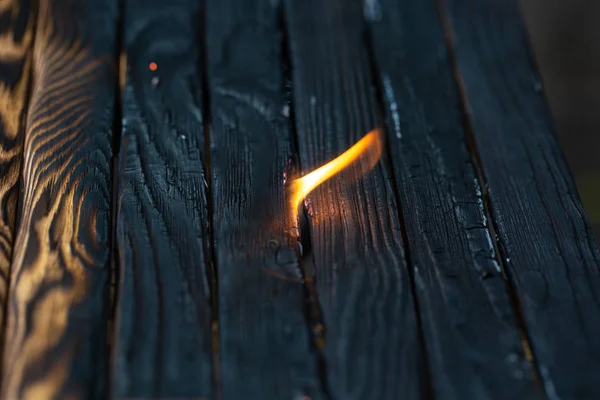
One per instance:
[(426, 384), (117, 130), (312, 308), (497, 242), (34, 14), (210, 248)]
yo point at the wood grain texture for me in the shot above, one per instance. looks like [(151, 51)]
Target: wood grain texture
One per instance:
[(57, 307), (17, 22), (163, 336), (472, 338), (543, 231), (264, 338), (372, 348)]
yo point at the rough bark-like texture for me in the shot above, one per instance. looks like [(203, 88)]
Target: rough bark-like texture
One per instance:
[(543, 231), (473, 342), (57, 307), (372, 348), (17, 26), (265, 343), (163, 327)]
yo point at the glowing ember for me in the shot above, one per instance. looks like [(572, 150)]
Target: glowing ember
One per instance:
[(368, 148)]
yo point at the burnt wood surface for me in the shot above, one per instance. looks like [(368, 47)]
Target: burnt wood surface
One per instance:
[(265, 346), (163, 334), (544, 235), (472, 336), (55, 343), (17, 25), (148, 139), (372, 348)]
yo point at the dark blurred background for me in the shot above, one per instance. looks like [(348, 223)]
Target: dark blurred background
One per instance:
[(565, 35)]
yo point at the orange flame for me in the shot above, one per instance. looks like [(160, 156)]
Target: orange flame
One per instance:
[(371, 146)]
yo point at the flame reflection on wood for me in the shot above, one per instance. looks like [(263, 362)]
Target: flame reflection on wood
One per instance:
[(368, 150), (56, 320), (15, 55)]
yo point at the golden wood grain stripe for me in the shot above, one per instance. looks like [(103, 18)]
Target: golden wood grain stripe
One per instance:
[(15, 51), (57, 252)]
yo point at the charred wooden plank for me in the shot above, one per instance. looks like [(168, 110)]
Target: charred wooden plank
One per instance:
[(543, 232), (265, 345), (16, 37), (472, 336), (372, 348), (163, 337), (57, 306)]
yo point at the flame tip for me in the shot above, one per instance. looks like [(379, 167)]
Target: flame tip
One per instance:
[(370, 145)]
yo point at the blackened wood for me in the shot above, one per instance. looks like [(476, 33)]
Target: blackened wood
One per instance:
[(543, 231), (473, 341), (17, 24), (265, 345), (55, 344), (163, 336), (372, 348)]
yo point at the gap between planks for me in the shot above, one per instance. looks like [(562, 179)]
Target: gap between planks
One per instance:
[(211, 256), (313, 313), (120, 63), (426, 383)]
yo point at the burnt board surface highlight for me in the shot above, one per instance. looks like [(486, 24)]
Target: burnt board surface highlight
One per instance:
[(163, 327), (471, 330), (55, 343), (372, 348), (544, 234), (16, 35), (265, 346)]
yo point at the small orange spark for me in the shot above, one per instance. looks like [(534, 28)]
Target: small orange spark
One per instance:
[(371, 146), (153, 66)]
